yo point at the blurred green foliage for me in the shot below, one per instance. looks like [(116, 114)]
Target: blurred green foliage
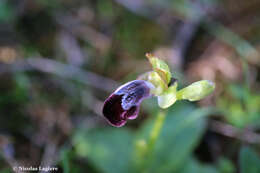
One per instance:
[(113, 150), (59, 60), (6, 11), (241, 106), (249, 160)]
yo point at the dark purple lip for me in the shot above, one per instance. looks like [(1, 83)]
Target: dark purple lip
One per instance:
[(124, 103)]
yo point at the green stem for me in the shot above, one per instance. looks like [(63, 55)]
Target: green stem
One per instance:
[(154, 134), (156, 129)]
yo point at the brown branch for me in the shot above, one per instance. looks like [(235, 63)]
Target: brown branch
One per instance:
[(7, 152), (50, 155), (63, 70), (234, 132)]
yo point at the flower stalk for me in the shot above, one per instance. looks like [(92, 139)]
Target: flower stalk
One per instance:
[(151, 141)]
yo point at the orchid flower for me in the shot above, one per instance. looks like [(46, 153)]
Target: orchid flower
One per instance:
[(124, 102)]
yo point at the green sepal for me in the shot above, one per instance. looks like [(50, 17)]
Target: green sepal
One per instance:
[(160, 67), (196, 90), (155, 79)]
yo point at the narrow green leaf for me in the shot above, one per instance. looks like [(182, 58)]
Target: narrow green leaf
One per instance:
[(65, 161)]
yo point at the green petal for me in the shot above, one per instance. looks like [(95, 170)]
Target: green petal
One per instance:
[(156, 80), (160, 67), (168, 97), (196, 90)]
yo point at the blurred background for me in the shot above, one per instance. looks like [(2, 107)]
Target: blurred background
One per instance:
[(60, 59)]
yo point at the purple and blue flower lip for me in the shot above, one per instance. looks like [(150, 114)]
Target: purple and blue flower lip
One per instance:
[(124, 103)]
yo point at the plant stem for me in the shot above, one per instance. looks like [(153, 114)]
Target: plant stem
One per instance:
[(156, 129), (154, 134)]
